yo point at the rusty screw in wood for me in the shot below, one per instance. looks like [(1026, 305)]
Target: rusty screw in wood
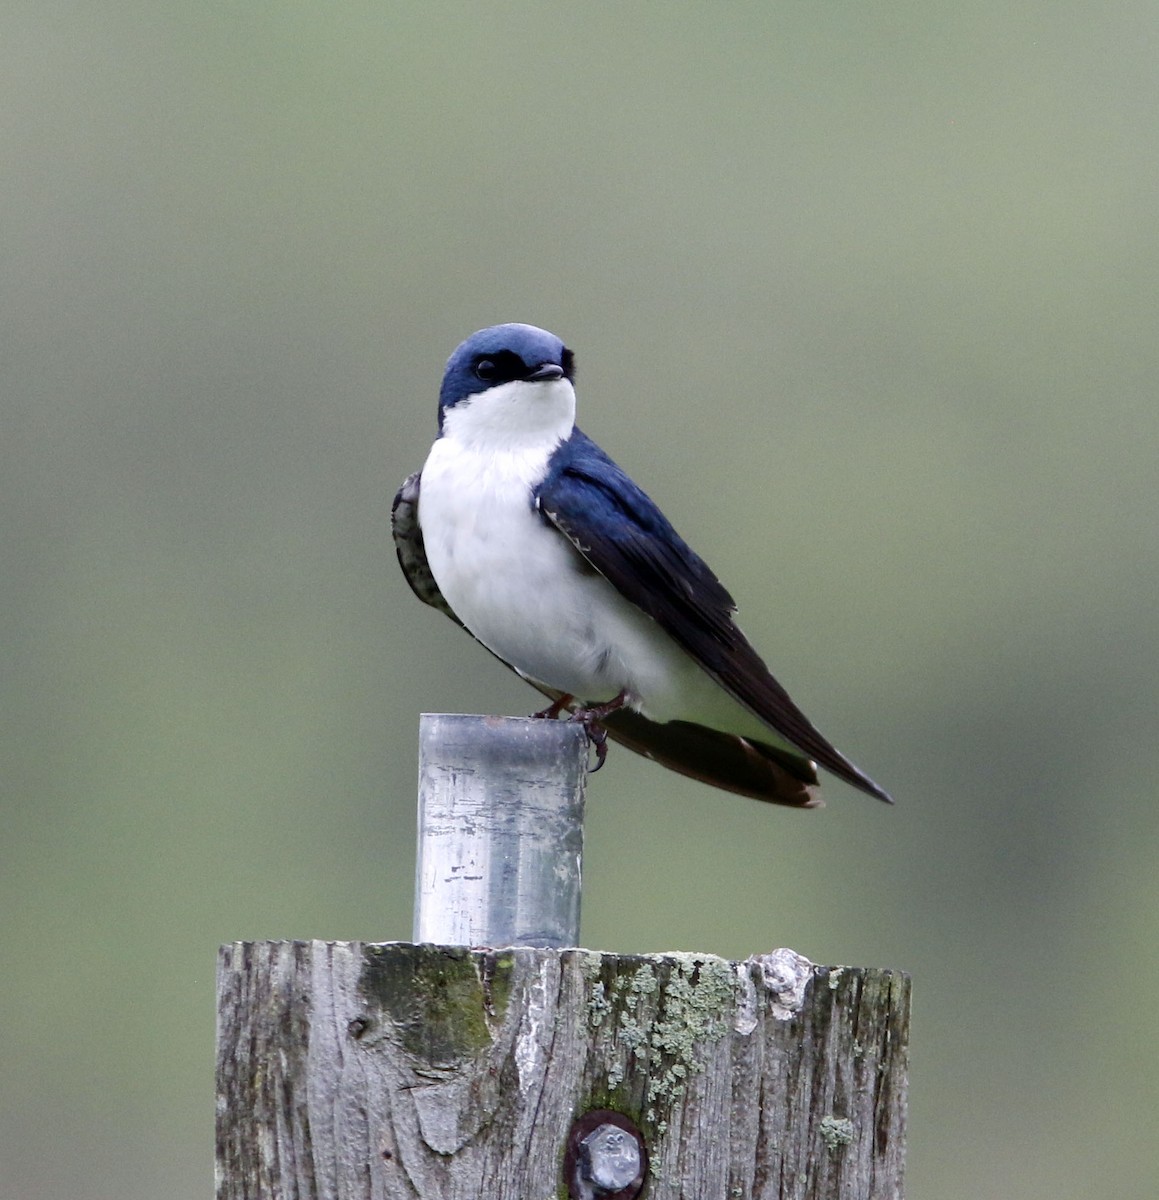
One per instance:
[(606, 1158)]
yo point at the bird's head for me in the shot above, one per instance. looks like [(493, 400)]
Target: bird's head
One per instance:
[(511, 382)]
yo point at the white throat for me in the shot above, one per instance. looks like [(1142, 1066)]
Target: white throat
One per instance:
[(517, 416)]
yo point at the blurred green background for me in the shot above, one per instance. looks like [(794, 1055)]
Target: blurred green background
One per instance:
[(863, 294)]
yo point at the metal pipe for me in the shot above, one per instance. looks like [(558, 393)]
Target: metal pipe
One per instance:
[(500, 837)]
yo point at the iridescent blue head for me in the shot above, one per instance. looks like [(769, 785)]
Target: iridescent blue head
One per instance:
[(503, 354)]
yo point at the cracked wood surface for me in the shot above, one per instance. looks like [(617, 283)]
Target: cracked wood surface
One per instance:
[(363, 1071)]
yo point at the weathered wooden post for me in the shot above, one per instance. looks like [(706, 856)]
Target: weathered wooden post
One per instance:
[(356, 1070)]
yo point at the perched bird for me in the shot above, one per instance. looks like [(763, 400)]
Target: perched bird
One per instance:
[(522, 530)]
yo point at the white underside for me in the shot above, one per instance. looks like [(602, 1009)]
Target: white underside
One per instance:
[(527, 595)]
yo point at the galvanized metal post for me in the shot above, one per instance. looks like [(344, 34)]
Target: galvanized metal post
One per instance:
[(500, 843)]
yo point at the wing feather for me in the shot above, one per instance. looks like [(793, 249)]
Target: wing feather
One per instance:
[(624, 536)]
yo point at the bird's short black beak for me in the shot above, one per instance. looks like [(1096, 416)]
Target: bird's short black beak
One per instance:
[(546, 371)]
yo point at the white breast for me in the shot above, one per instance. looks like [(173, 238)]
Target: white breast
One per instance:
[(514, 581)]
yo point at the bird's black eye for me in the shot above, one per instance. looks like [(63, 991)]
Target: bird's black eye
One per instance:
[(501, 367)]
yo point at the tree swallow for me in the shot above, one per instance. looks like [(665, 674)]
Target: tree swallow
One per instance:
[(522, 530)]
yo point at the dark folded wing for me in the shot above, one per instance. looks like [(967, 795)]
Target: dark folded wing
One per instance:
[(408, 545), (625, 537)]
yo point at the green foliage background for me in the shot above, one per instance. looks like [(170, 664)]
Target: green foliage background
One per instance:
[(864, 294)]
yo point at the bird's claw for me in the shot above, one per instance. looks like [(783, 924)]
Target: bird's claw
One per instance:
[(553, 709), (589, 718), (592, 721), (597, 735)]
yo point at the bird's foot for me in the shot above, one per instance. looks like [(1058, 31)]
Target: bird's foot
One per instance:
[(553, 709), (591, 719)]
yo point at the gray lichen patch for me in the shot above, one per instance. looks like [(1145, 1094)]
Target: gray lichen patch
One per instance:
[(695, 1009), (598, 1004), (836, 1131), (437, 998), (591, 963), (657, 1014)]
